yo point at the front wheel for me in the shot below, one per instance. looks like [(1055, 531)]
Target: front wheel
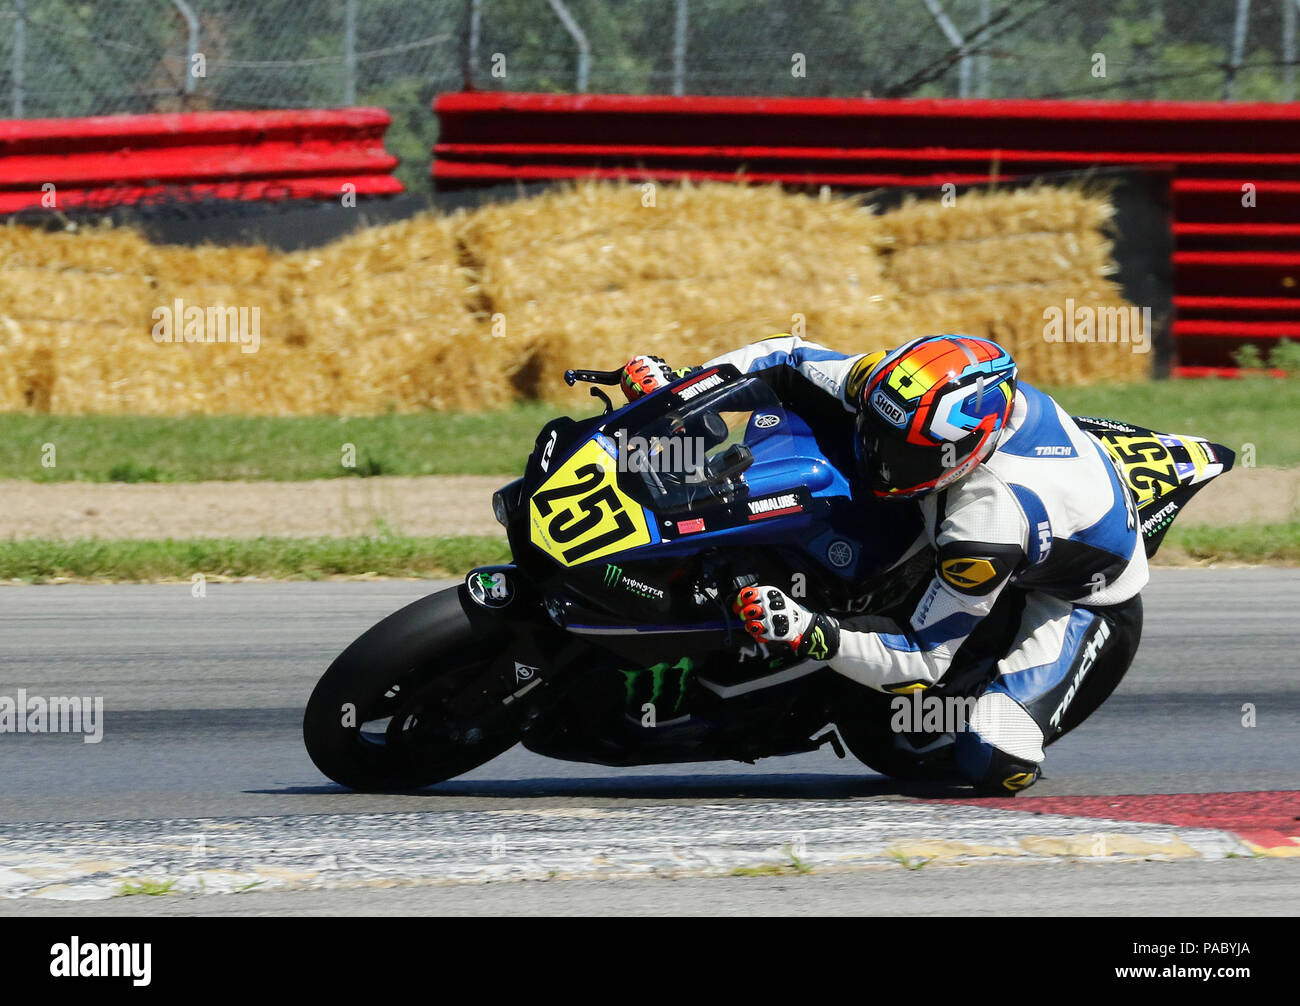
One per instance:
[(865, 727), (409, 703)]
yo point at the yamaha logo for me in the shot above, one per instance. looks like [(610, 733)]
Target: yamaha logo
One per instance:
[(767, 421), (839, 553)]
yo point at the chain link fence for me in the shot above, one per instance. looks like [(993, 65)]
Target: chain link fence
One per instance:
[(103, 57)]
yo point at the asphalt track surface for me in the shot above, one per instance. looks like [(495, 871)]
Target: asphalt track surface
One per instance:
[(203, 701)]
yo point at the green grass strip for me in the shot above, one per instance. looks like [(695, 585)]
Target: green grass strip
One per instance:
[(1262, 411), (1237, 542), (221, 448), (42, 560)]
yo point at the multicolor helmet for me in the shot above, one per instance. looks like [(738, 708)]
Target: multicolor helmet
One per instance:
[(930, 411)]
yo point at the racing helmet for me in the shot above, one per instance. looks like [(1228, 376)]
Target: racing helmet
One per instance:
[(930, 411)]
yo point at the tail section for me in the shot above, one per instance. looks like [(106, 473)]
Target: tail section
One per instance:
[(1162, 470)]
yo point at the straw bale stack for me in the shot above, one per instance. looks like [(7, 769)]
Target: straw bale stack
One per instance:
[(588, 275), (992, 263), (473, 310)]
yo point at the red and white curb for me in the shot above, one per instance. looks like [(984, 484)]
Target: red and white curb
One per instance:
[(1266, 822), (81, 861)]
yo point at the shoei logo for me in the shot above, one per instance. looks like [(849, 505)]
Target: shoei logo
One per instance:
[(967, 574), (892, 412)]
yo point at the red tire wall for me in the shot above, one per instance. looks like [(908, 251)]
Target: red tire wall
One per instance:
[(112, 160)]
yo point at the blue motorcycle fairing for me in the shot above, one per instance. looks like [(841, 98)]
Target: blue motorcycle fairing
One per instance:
[(791, 496)]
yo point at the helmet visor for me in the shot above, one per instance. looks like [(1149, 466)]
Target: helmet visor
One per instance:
[(892, 468)]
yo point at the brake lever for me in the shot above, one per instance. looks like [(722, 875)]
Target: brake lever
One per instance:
[(609, 406)]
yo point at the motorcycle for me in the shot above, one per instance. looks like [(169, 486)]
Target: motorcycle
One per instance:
[(609, 638)]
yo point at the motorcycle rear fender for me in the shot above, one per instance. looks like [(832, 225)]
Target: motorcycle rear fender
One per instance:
[(1160, 486)]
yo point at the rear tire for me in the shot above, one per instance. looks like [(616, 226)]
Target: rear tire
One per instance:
[(378, 718)]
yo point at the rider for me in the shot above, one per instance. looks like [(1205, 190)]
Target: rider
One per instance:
[(1026, 515)]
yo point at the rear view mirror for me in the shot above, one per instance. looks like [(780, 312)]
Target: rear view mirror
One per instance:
[(730, 463)]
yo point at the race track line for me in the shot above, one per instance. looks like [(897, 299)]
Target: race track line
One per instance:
[(97, 860)]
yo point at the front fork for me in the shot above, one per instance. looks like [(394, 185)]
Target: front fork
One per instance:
[(534, 652)]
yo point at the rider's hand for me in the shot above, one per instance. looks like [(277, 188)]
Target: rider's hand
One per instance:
[(772, 617), (644, 374)]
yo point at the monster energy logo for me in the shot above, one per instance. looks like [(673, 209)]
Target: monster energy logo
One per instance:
[(658, 677), (614, 578)]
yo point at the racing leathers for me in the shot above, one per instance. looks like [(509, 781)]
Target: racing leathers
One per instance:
[(1043, 534)]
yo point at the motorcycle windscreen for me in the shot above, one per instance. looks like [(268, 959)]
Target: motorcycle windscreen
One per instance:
[(737, 438), (1162, 470)]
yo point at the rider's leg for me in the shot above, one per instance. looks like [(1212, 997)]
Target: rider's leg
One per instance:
[(1065, 661)]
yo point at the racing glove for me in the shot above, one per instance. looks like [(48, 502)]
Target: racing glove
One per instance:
[(773, 618), (644, 374)]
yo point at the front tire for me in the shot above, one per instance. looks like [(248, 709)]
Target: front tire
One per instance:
[(397, 709), (864, 726)]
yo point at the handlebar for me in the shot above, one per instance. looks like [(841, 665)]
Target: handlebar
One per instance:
[(572, 377)]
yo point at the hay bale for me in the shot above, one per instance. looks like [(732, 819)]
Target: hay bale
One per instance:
[(375, 322), (587, 275), (979, 215), (994, 263), (472, 310), (1019, 260)]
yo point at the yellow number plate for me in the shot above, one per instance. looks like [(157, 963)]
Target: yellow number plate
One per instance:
[(580, 514), (1148, 465)]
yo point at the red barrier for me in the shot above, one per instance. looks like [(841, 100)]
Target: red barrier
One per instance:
[(1235, 194), (112, 160)]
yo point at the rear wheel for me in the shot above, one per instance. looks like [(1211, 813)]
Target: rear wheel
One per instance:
[(409, 703)]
